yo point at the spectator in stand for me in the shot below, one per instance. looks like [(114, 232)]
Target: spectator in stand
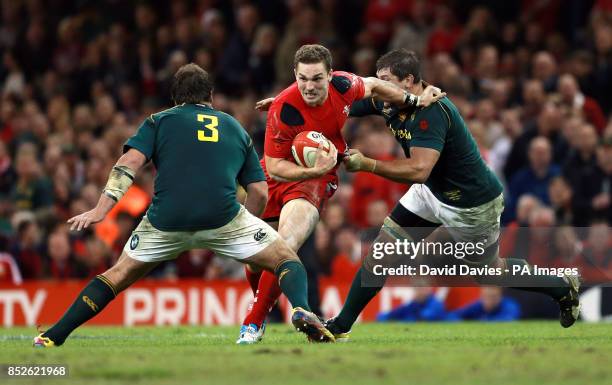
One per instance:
[(413, 33), (7, 172), (59, 253), (32, 190), (561, 199), (91, 257), (548, 125), (235, 59), (602, 76), (581, 170), (303, 27), (544, 68), (364, 62), (570, 128), (261, 60), (492, 306), (379, 16), (27, 248), (596, 264), (347, 258), (368, 188), (445, 32), (601, 203), (424, 306), (500, 149), (334, 217), (535, 178), (533, 243), (487, 66), (486, 114), (534, 98), (567, 248), (576, 103), (376, 212)]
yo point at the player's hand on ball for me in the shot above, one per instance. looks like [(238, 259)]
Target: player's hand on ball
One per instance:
[(82, 221), (356, 161), (325, 160), (430, 95), (264, 105)]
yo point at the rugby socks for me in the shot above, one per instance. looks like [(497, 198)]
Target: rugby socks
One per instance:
[(268, 292), (252, 278), (358, 298), (293, 283), (90, 301), (554, 286)]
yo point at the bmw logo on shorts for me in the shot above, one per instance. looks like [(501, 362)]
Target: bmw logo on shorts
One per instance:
[(134, 241)]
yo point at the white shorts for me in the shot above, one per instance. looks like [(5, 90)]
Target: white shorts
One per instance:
[(469, 224), (242, 237)]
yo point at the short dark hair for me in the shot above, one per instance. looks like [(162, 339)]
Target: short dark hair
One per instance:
[(191, 85), (311, 54), (401, 63)]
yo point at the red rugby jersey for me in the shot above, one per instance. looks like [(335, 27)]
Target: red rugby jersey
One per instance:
[(289, 114)]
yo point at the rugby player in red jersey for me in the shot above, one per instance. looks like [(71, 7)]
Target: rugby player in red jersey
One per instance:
[(319, 100)]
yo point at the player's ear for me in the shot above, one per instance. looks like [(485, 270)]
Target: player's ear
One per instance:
[(329, 75)]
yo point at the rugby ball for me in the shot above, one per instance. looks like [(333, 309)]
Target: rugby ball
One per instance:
[(305, 145)]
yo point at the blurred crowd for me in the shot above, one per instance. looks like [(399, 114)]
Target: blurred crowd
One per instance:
[(531, 79)]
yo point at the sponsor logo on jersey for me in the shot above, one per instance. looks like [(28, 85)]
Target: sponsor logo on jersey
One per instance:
[(260, 235), (453, 195), (134, 241), (423, 125), (401, 134)]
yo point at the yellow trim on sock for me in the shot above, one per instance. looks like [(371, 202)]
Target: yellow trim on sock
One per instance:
[(108, 283)]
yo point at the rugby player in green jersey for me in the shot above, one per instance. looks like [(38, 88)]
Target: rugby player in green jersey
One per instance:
[(200, 154), (451, 187)]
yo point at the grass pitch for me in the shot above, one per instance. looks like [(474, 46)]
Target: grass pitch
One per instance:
[(434, 353)]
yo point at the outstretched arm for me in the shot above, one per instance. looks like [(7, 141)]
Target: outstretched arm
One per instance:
[(119, 180), (415, 169), (384, 91), (388, 92)]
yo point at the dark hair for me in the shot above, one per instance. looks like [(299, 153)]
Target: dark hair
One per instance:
[(191, 85), (401, 63), (311, 54), (23, 226)]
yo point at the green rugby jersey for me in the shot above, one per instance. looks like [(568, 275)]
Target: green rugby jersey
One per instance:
[(200, 155), (460, 177)]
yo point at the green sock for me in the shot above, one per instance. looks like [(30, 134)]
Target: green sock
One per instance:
[(358, 297), (293, 282), (90, 301), (555, 287)]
